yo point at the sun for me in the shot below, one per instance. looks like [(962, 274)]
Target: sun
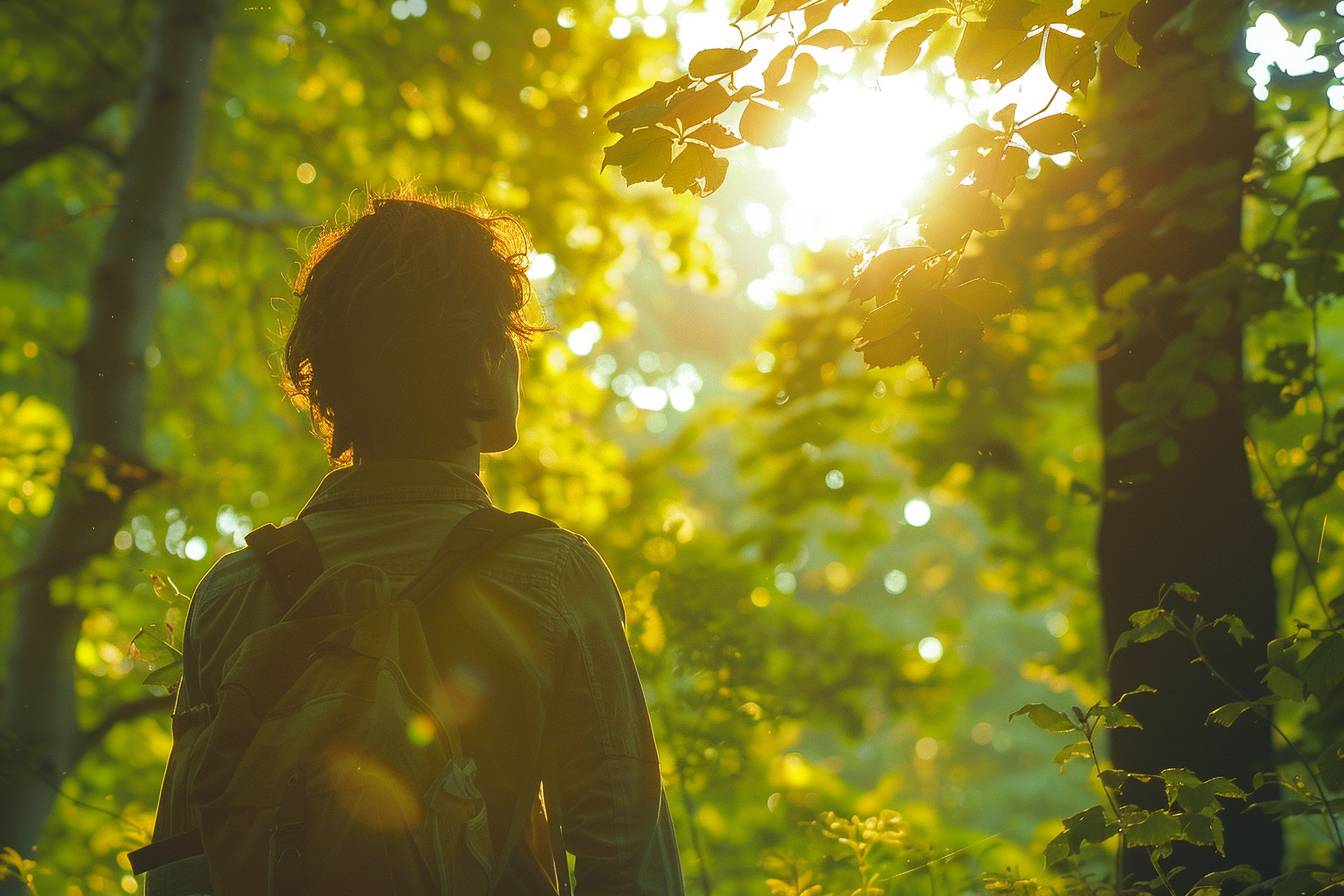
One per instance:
[(860, 160)]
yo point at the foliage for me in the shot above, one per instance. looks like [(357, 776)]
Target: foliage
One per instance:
[(790, 698), (922, 311)]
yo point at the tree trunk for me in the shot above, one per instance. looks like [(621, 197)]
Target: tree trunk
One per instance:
[(1196, 520), (107, 417)]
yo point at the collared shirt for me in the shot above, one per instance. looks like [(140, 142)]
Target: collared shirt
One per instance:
[(535, 660)]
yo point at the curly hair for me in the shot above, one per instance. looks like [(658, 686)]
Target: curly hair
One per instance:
[(404, 314)]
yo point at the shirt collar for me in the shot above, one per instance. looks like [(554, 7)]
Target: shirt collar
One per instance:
[(394, 481)]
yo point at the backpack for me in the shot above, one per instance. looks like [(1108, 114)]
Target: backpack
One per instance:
[(327, 767)]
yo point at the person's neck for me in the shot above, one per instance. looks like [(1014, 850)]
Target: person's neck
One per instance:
[(467, 456)]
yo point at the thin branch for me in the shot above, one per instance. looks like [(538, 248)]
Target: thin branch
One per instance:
[(125, 712), (52, 135), (250, 218)]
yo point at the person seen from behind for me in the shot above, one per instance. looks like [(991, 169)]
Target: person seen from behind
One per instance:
[(292, 770)]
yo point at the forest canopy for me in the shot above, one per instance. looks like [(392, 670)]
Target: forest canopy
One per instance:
[(950, 388)]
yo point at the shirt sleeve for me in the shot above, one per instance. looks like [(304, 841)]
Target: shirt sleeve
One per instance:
[(601, 750)]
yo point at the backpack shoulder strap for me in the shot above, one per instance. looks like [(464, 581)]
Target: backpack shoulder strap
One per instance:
[(474, 536), (288, 556)]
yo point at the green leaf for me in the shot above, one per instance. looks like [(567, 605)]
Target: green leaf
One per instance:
[(982, 48), (882, 272), (947, 218), (1202, 829), (695, 169), (1141, 689), (164, 676), (1323, 669), (1077, 750), (1185, 591), (659, 92), (1168, 452), (1112, 716), (715, 135), (1284, 684), (1211, 884), (794, 94), (1044, 717), (1133, 434), (1145, 625), (946, 329), (153, 644), (642, 155), (764, 126), (903, 50), (900, 10), (1228, 713), (1150, 828), (999, 173), (690, 107), (819, 12), (1235, 627), (886, 337), (638, 117), (985, 298), (1019, 59), (1126, 47), (830, 39), (1089, 826), (1053, 134), (748, 7), (1070, 61), (708, 63), (774, 72), (1120, 294), (1199, 401), (1290, 808)]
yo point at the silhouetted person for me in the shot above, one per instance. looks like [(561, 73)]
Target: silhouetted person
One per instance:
[(405, 350)]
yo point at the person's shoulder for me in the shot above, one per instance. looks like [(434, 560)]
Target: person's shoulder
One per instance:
[(553, 544), (236, 569)]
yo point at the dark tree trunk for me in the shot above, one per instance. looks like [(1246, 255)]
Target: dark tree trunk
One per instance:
[(107, 418), (1197, 520)]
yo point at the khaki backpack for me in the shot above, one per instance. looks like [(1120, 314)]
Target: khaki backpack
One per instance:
[(325, 767)]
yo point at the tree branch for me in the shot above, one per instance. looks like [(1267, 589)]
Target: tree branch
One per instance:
[(249, 218), (51, 135), (125, 712)]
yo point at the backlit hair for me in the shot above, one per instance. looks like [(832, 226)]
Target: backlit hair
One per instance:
[(404, 313)]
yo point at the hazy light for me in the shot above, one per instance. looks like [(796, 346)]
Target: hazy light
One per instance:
[(758, 217), (926, 748), (682, 398), (917, 512), (895, 581), (862, 156), (541, 266), (582, 338), (930, 649), (1057, 624), (1273, 45), (654, 26), (620, 28), (785, 582), (835, 479), (195, 548), (648, 398)]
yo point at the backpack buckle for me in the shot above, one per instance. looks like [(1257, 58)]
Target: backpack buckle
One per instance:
[(285, 865)]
